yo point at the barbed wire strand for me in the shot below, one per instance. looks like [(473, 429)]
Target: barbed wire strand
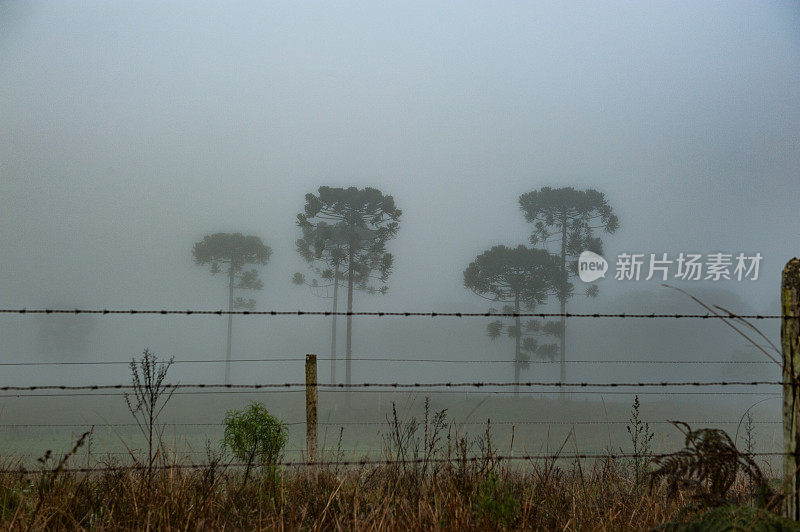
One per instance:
[(384, 391), (300, 358), (381, 423), (388, 314), (403, 385), (351, 451), (385, 461)]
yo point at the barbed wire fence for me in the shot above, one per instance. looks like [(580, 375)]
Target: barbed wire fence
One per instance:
[(779, 387)]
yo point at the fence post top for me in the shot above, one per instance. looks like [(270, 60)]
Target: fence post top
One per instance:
[(791, 274), (311, 357)]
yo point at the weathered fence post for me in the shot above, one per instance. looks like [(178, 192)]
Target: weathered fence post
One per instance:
[(790, 344), (311, 407)]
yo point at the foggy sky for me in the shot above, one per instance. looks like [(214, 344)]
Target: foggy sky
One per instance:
[(130, 130)]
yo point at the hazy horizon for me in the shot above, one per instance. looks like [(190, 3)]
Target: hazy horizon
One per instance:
[(131, 130)]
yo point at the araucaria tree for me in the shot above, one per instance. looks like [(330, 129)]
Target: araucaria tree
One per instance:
[(522, 277), (231, 252), (566, 220), (345, 231)]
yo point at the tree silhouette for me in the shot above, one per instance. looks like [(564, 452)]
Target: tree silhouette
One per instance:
[(524, 277), (236, 250), (348, 228), (566, 219)]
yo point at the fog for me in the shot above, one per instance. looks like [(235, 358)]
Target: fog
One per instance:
[(128, 131)]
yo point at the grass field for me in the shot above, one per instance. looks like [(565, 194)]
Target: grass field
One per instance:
[(449, 478), (539, 424), (439, 480)]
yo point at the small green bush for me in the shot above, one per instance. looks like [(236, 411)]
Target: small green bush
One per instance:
[(254, 436), (497, 502)]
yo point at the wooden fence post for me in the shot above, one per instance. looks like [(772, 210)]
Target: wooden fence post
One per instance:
[(790, 344), (311, 407)]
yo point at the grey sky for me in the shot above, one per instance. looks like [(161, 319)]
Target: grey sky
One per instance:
[(129, 130)]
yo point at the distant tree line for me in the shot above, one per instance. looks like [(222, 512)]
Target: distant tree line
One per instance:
[(344, 237)]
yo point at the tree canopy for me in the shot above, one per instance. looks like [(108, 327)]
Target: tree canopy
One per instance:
[(324, 247), (508, 274), (235, 249), (348, 228), (524, 277), (569, 218)]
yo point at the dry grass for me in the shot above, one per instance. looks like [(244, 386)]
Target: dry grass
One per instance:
[(436, 479), (449, 496)]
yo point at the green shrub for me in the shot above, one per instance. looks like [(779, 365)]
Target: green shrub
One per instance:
[(496, 501), (254, 436)]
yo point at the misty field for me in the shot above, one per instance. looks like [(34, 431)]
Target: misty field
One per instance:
[(540, 422), (395, 461)]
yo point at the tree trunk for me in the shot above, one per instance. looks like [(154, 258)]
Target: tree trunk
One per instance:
[(518, 351), (563, 298), (230, 325), (333, 326), (349, 348), (250, 460)]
